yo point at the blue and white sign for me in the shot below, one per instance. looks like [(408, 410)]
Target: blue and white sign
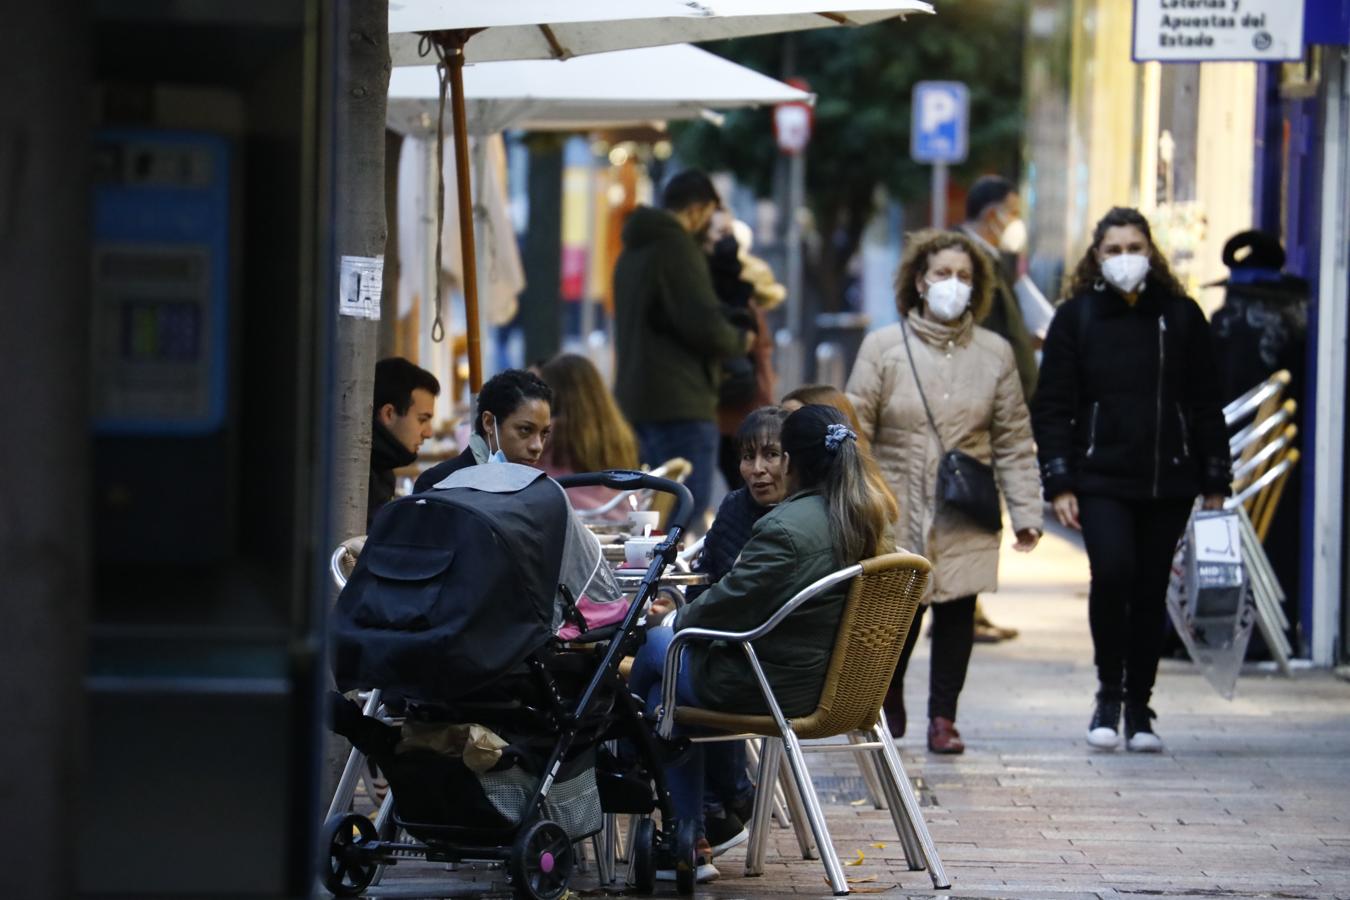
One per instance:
[(940, 129), (1217, 30)]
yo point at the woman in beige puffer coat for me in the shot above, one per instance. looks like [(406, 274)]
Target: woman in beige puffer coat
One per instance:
[(969, 377)]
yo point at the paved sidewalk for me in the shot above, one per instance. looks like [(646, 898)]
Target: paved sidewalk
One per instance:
[(1250, 799)]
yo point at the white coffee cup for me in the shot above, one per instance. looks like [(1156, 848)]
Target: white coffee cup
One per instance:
[(637, 552), (640, 519)]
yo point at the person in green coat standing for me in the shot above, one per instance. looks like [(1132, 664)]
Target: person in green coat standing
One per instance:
[(670, 333), (833, 517)]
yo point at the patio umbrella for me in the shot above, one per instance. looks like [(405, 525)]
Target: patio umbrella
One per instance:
[(591, 92), (603, 90), (461, 31)]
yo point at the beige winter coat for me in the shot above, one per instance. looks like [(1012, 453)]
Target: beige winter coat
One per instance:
[(970, 378)]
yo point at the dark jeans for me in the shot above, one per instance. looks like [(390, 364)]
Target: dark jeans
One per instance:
[(728, 785), (695, 441), (685, 781), (953, 639), (1130, 545)]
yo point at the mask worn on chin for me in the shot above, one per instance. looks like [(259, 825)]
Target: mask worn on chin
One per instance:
[(948, 299), (1014, 237), (1125, 272)]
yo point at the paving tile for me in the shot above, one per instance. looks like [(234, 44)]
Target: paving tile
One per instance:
[(1250, 799)]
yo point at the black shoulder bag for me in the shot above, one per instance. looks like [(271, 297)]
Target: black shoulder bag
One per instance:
[(964, 483)]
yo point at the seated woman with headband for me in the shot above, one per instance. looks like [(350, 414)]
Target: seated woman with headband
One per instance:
[(829, 520)]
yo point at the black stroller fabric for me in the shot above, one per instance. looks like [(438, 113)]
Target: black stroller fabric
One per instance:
[(454, 589)]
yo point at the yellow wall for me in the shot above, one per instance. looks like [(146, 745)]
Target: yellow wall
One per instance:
[(1113, 136), (1224, 171)]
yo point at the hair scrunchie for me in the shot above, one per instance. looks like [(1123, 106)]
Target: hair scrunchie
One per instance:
[(836, 435)]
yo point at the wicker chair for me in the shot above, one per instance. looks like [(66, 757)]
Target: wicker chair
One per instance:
[(880, 607)]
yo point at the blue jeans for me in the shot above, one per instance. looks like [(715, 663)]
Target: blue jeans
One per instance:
[(695, 441), (685, 780)]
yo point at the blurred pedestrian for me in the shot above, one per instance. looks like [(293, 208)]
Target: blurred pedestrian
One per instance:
[(1130, 429), (747, 288), (994, 223), (404, 403), (589, 433), (513, 421), (930, 385), (826, 395), (670, 333), (1262, 326)]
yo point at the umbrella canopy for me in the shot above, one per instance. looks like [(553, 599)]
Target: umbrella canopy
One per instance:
[(547, 29), (599, 91), (462, 31)]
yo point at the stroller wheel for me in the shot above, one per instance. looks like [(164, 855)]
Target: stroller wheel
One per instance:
[(644, 857), (347, 869), (686, 861), (541, 861)]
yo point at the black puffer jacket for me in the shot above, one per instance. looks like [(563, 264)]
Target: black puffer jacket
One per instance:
[(1128, 403)]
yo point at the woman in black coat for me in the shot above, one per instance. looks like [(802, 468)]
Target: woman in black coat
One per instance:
[(1129, 428)]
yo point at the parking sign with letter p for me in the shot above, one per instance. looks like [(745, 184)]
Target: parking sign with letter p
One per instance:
[(939, 129)]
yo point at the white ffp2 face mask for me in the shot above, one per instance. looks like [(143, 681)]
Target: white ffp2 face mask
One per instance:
[(1014, 237), (947, 299), (1126, 271)]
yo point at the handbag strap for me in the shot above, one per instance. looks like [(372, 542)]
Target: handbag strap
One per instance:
[(909, 354)]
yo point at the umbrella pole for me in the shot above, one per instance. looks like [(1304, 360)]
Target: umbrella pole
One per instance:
[(464, 200)]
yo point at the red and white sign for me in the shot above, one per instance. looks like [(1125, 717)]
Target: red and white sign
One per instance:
[(792, 122)]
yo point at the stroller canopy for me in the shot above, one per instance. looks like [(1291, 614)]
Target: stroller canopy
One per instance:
[(456, 586)]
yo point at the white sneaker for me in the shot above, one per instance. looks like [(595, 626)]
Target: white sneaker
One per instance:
[(1103, 738), (1144, 742), (703, 874), (1139, 730), (1102, 730)]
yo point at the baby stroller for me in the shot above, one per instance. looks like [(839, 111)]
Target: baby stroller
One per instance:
[(451, 614)]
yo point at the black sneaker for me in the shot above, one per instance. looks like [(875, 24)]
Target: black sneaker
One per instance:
[(725, 831), (1104, 730), (744, 808), (1139, 736)]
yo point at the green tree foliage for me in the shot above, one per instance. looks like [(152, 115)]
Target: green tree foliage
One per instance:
[(863, 79)]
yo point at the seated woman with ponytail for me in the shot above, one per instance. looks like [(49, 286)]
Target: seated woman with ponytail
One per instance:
[(830, 519)]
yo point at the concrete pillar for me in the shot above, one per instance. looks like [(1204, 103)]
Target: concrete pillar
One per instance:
[(44, 456)]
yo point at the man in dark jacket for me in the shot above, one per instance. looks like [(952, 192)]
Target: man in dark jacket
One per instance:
[(994, 223), (405, 400), (670, 332)]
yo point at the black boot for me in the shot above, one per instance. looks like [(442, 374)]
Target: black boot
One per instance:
[(894, 707)]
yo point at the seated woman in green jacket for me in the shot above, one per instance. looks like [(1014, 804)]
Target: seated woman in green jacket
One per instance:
[(832, 518)]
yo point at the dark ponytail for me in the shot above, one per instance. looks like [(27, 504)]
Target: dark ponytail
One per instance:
[(823, 454)]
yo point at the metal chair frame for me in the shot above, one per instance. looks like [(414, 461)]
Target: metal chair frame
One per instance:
[(1266, 394), (915, 839)]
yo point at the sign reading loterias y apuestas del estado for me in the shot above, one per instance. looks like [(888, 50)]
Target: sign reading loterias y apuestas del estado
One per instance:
[(1215, 30)]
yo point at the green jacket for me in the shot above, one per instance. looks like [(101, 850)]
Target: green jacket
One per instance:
[(788, 549), (670, 334)]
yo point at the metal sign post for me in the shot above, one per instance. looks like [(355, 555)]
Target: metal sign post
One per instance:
[(792, 125), (940, 134)]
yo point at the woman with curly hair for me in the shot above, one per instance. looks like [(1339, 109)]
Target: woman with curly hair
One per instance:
[(930, 384), (1130, 429)]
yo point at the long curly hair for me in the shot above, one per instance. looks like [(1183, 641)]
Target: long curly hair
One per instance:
[(589, 432), (1087, 276), (920, 247)]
